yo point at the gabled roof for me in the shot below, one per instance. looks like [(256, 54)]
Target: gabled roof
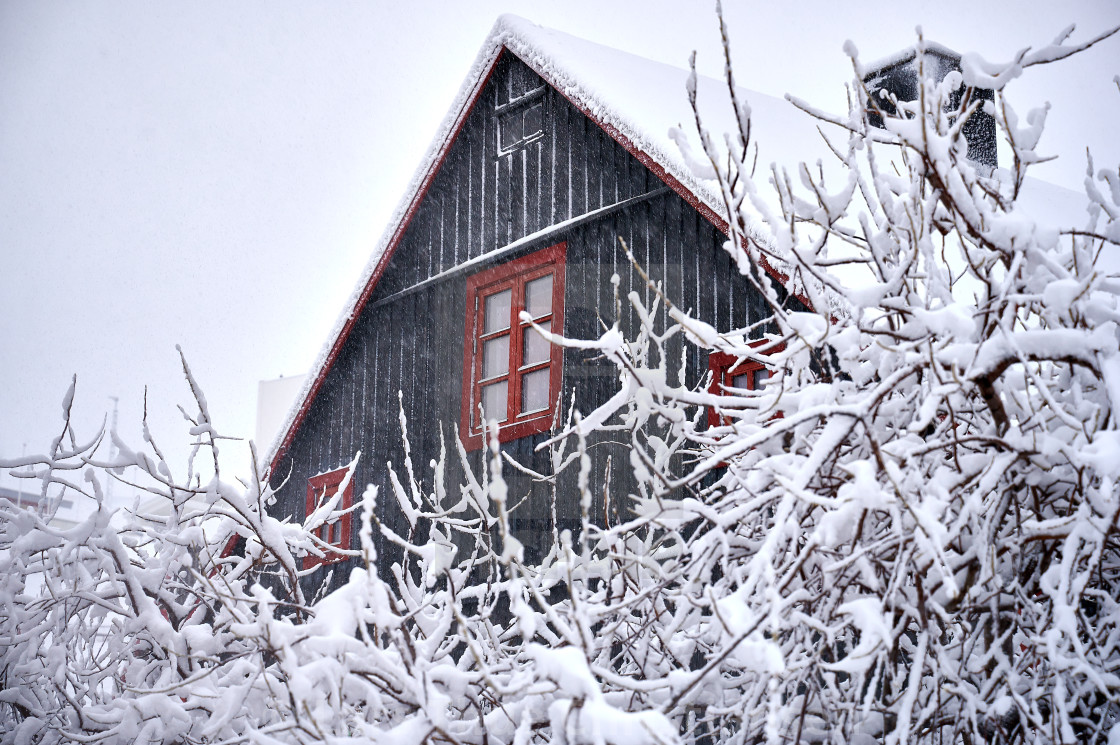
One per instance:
[(641, 104)]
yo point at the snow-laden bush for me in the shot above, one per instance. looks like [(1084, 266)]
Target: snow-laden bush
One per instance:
[(909, 534)]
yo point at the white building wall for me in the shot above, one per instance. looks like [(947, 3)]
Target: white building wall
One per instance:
[(274, 399)]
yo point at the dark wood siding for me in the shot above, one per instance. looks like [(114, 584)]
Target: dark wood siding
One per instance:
[(406, 349)]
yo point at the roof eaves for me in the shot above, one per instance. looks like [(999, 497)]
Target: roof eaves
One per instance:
[(509, 33), (473, 84)]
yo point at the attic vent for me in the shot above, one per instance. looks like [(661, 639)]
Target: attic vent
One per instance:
[(521, 121), (898, 77)]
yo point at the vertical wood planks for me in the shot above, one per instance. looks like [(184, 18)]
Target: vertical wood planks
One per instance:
[(479, 201)]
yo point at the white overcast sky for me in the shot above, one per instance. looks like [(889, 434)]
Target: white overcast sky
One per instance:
[(215, 174)]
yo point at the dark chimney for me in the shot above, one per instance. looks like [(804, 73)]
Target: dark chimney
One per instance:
[(898, 76)]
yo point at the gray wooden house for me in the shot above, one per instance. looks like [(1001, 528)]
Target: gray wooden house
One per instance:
[(555, 149)]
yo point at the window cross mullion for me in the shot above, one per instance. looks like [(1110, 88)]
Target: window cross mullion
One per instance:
[(516, 342)]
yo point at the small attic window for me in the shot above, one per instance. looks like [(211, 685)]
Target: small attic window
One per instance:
[(521, 121)]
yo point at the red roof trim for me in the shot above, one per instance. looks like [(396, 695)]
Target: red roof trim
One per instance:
[(382, 263), (671, 181), (643, 157)]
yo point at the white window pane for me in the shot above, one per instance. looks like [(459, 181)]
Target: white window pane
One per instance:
[(536, 347), (760, 376), (538, 296), (495, 357), (336, 532), (534, 391), (741, 381), (496, 314), (494, 399)]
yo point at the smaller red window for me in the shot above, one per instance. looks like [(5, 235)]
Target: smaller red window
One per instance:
[(510, 371), (729, 371), (336, 533)]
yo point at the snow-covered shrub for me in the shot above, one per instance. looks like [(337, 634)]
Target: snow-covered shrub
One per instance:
[(915, 539), (909, 534)]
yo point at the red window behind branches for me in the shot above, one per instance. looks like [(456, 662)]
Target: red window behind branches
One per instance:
[(320, 490), (510, 371), (729, 372)]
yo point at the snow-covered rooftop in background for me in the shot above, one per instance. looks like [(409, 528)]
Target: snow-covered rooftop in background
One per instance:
[(909, 53), (643, 104)]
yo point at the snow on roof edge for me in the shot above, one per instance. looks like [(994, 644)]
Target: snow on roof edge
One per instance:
[(517, 36), (529, 42), (907, 54), (472, 82)]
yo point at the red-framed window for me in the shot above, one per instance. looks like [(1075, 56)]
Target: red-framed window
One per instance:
[(335, 533), (510, 371), (729, 371)]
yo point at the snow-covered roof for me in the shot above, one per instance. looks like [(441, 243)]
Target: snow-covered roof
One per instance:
[(909, 53), (636, 100), (641, 103)]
